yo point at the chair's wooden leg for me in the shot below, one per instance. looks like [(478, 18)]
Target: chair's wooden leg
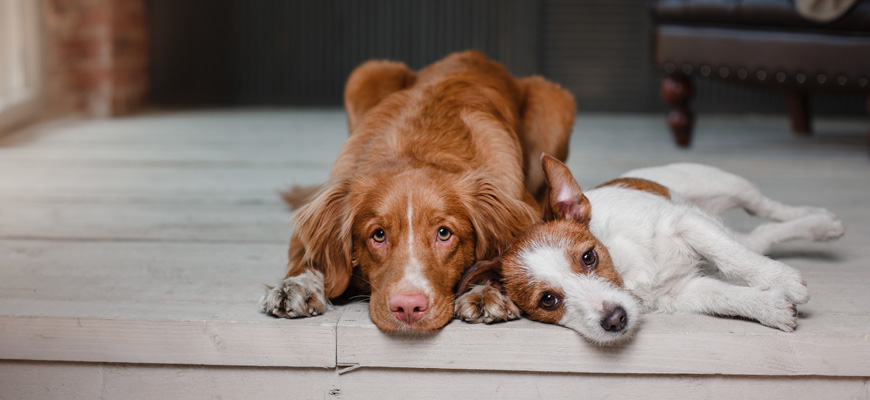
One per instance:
[(676, 90), (799, 113), (868, 130)]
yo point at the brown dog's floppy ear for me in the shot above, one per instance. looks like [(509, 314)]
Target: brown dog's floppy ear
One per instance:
[(498, 219), (485, 272), (323, 226), (564, 199), (547, 111), (370, 83)]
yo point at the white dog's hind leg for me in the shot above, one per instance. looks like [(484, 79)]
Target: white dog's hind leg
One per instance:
[(711, 189), (756, 203), (815, 227), (716, 191), (771, 307), (715, 243)]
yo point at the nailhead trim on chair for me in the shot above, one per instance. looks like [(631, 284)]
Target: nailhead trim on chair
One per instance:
[(761, 75)]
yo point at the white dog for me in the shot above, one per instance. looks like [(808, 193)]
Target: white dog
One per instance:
[(637, 244)]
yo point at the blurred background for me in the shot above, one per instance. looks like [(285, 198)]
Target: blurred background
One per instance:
[(116, 57)]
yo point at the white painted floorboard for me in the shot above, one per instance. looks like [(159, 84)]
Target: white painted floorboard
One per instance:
[(133, 252)]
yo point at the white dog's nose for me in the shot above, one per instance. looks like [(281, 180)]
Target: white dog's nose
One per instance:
[(614, 320)]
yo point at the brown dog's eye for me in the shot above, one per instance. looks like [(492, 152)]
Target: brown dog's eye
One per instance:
[(549, 302), (590, 259), (379, 235), (444, 234)]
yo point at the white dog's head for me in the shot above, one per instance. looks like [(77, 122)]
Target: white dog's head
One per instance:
[(558, 272)]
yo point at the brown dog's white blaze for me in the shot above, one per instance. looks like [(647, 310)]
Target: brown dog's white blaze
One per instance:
[(408, 221)]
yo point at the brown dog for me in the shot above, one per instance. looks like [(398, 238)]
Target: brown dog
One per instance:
[(440, 170)]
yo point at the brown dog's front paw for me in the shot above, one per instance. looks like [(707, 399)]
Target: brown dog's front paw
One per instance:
[(297, 296), (485, 304)]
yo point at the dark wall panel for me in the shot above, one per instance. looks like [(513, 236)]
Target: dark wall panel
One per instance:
[(300, 52), (190, 45), (599, 50)]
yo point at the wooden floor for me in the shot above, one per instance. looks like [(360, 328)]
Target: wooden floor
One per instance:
[(133, 252)]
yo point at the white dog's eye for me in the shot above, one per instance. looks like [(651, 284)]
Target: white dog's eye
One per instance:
[(444, 234), (549, 301), (379, 235), (590, 259)]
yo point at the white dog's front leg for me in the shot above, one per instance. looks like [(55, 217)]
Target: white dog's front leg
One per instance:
[(772, 307)]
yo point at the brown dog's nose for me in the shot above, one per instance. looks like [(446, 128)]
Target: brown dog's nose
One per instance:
[(409, 308), (615, 320)]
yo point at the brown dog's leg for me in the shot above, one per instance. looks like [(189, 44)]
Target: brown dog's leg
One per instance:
[(547, 119), (370, 83), (301, 293), (319, 258), (480, 296)]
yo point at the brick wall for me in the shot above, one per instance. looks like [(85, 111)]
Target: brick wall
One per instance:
[(96, 56)]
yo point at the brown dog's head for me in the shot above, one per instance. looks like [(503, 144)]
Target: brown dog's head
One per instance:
[(558, 272), (409, 236)]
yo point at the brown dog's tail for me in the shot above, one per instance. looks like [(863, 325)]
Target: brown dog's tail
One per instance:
[(297, 196)]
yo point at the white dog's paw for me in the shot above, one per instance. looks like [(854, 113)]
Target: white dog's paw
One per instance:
[(795, 287), (485, 304), (297, 296), (823, 226), (776, 310), (781, 276)]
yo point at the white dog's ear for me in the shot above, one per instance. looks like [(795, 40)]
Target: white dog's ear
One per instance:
[(485, 272), (564, 199)]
